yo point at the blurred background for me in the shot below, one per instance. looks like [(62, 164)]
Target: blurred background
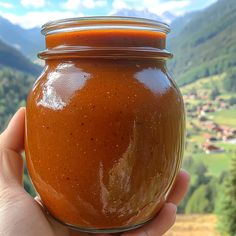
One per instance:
[(203, 40)]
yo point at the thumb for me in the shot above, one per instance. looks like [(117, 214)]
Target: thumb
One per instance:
[(11, 144)]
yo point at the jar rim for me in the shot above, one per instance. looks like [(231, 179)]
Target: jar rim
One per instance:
[(79, 23)]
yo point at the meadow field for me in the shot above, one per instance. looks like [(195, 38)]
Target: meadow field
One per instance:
[(194, 225)]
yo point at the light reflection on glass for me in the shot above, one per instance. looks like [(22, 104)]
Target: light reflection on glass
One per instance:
[(58, 91)]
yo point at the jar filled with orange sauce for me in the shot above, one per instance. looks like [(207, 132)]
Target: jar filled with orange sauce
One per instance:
[(105, 123)]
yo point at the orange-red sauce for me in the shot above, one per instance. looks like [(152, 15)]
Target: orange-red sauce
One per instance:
[(104, 137)]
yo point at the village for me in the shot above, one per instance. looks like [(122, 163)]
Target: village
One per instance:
[(199, 110)]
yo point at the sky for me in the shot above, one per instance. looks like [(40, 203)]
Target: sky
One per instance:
[(34, 13)]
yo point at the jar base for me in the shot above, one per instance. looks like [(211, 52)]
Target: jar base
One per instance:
[(100, 231)]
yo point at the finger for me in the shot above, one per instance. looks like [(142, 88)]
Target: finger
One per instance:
[(11, 143), (158, 226), (13, 137), (75, 233), (58, 228), (11, 169), (180, 188)]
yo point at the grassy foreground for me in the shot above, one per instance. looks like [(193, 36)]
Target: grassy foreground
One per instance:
[(194, 225)]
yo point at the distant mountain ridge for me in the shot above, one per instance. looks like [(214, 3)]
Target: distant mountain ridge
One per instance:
[(166, 17), (29, 42), (12, 58), (206, 44), (179, 23)]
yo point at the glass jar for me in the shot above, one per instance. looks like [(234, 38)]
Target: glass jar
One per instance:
[(104, 123)]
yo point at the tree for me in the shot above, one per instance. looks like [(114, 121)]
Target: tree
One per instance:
[(14, 87), (199, 177), (232, 101), (229, 82), (203, 198), (198, 202), (188, 162), (201, 171), (228, 210), (214, 93)]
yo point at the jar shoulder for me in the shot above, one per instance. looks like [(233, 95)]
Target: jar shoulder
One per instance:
[(104, 80)]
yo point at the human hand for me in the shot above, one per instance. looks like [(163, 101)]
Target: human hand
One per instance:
[(22, 215)]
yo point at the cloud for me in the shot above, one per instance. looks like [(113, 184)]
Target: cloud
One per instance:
[(31, 3), (75, 5), (101, 3), (154, 6), (88, 3), (119, 4), (38, 18), (71, 4), (6, 5), (176, 7)]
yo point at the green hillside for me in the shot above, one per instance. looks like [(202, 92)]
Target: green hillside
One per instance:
[(210, 140), (223, 116), (206, 45), (28, 41), (14, 87), (204, 65), (17, 74), (11, 57), (179, 24)]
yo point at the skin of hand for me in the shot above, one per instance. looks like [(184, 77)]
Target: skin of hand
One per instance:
[(22, 215)]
